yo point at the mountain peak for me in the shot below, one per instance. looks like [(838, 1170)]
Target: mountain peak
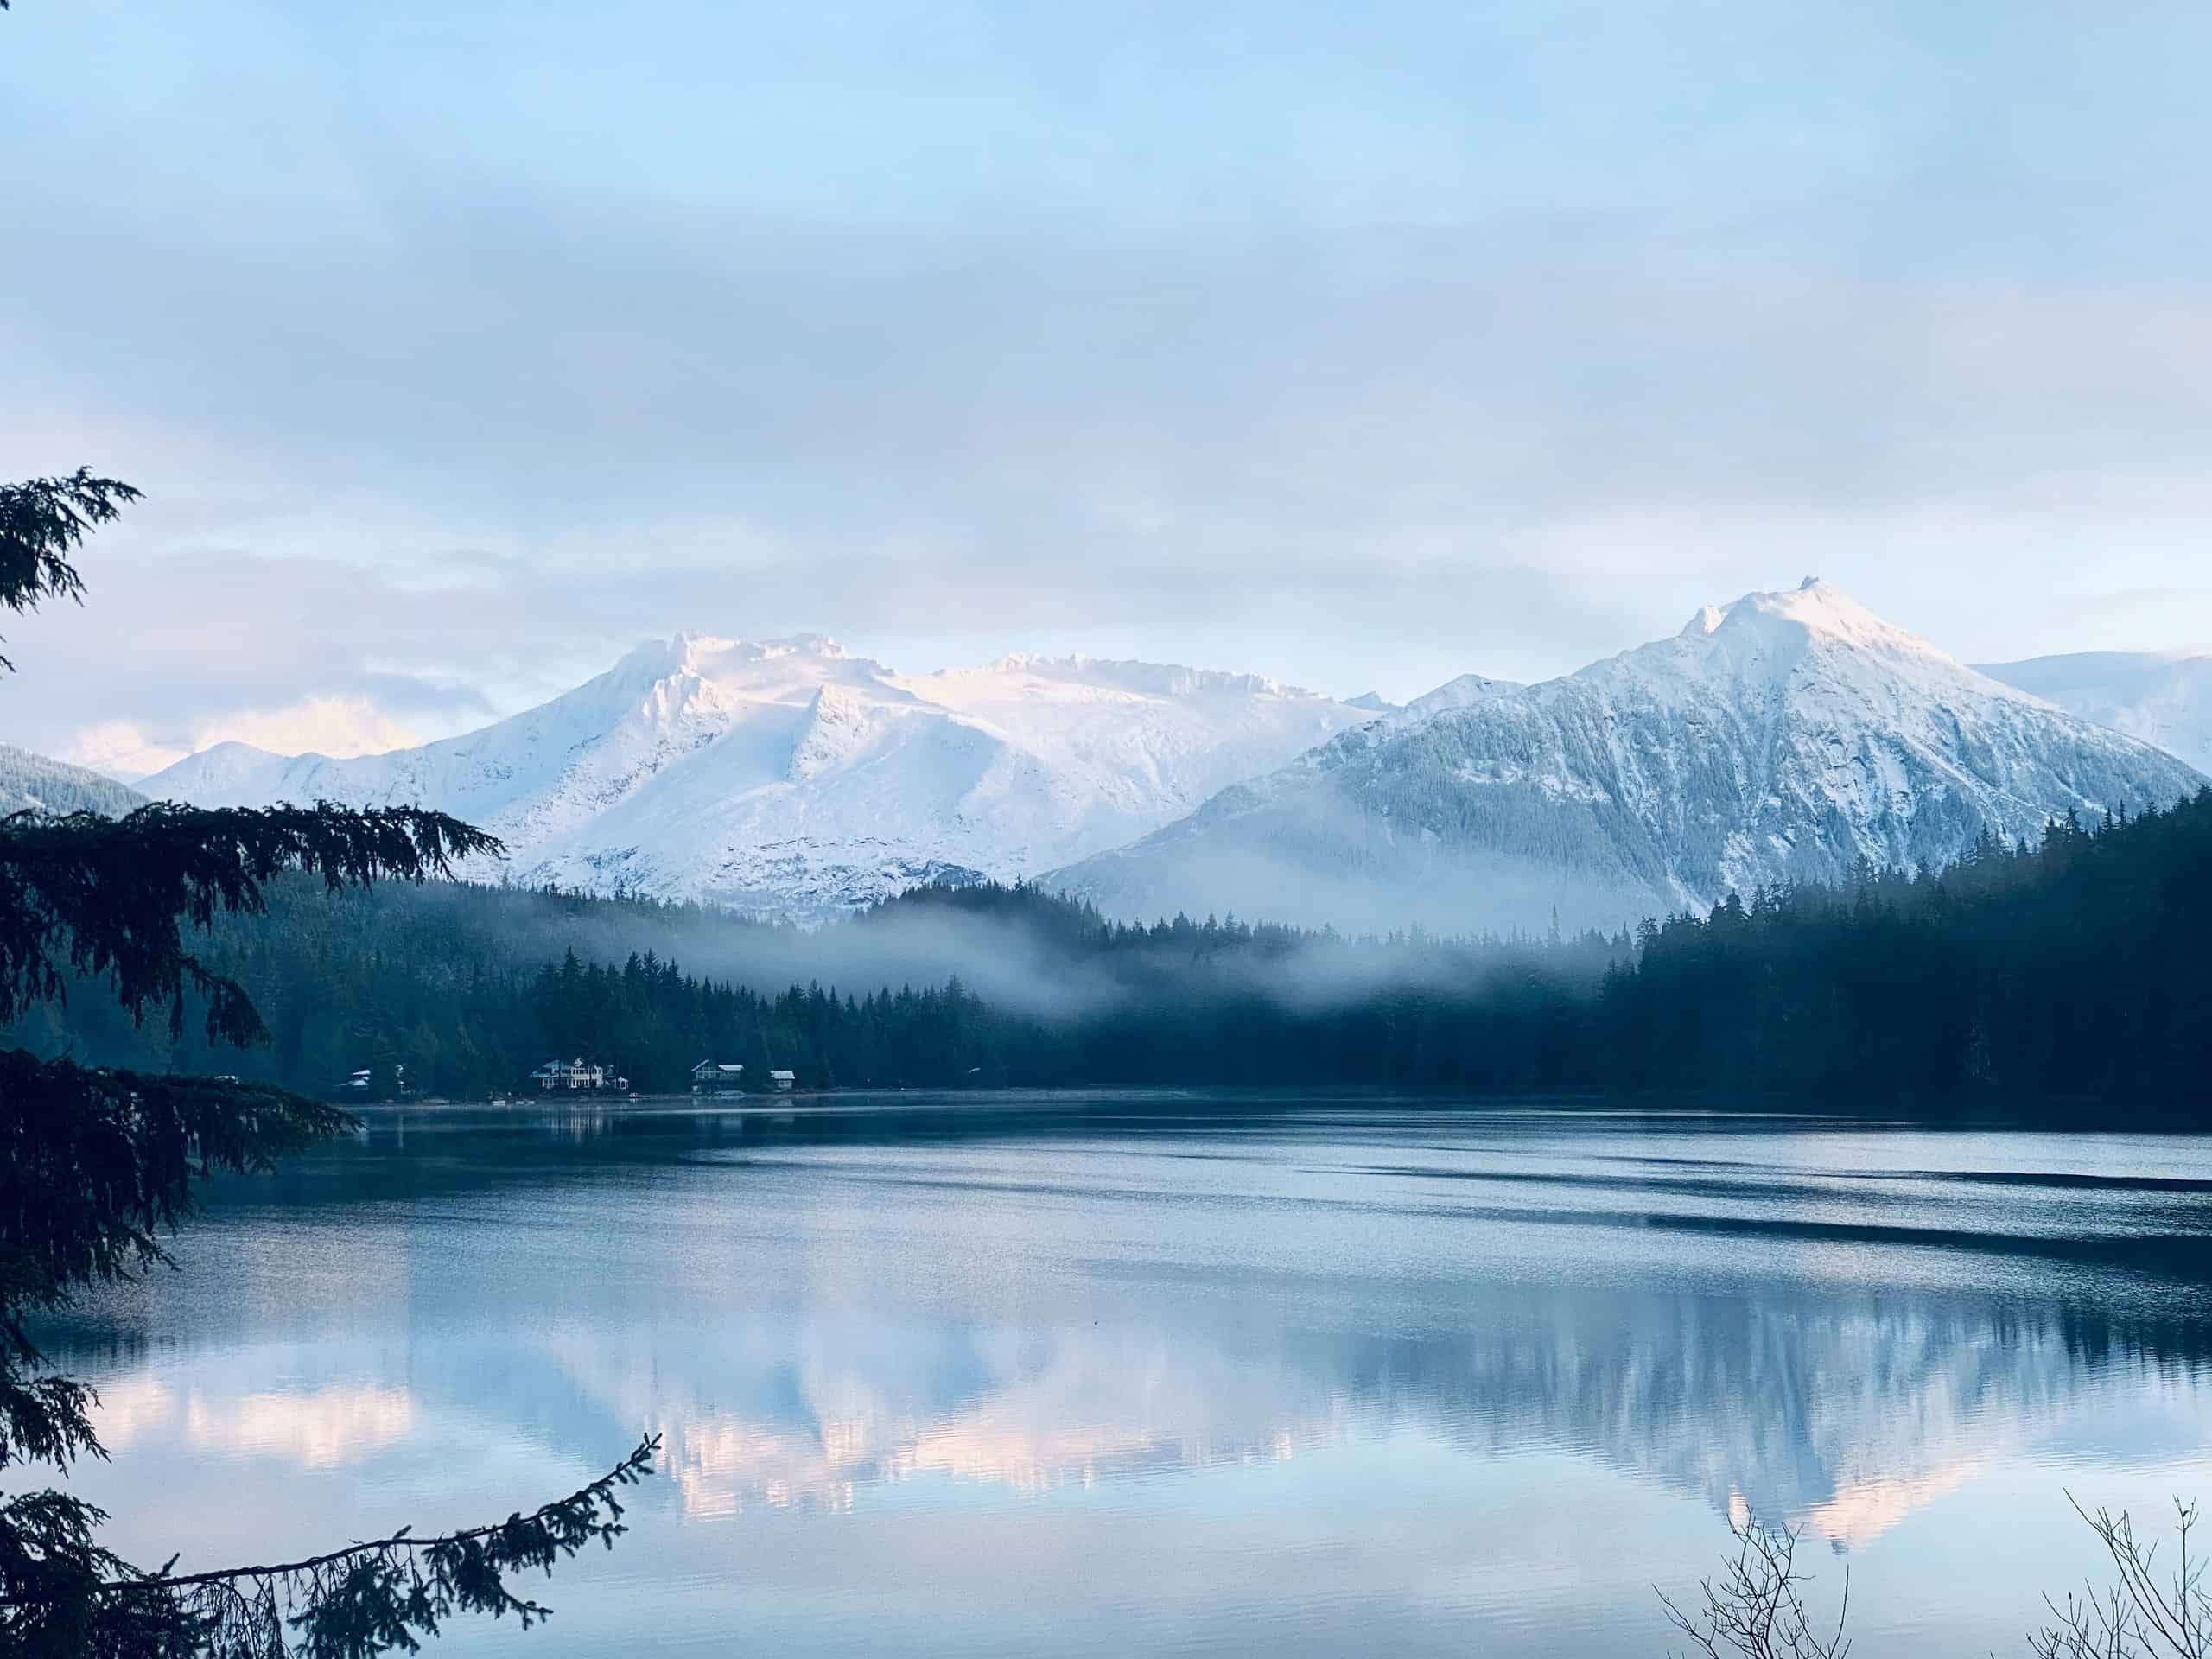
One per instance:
[(784, 776), (1821, 607), (1780, 623), (1776, 739)]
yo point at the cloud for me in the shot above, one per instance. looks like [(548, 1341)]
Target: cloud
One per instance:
[(1269, 346), (337, 727)]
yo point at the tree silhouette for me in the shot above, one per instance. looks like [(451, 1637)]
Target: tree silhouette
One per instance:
[(96, 1165)]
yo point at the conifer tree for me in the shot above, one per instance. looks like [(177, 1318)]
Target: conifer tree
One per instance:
[(97, 1165)]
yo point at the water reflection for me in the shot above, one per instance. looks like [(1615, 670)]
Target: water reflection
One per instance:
[(864, 1318), (1845, 1415), (316, 1429)]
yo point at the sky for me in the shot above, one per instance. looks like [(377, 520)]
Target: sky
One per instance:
[(460, 345)]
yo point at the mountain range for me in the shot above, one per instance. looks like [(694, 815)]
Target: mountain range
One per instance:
[(789, 778), (1779, 738)]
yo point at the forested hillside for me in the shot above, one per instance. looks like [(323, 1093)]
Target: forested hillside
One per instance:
[(2076, 967), (31, 782)]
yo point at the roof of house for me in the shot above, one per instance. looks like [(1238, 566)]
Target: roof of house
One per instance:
[(783, 1074)]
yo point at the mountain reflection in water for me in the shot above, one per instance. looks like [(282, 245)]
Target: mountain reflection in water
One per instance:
[(1101, 1310)]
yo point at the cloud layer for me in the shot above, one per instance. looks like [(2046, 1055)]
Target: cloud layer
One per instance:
[(457, 347)]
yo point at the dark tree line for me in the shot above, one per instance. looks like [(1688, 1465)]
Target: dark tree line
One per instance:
[(2071, 968), (2076, 967)]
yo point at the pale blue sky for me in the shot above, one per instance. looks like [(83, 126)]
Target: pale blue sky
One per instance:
[(459, 344)]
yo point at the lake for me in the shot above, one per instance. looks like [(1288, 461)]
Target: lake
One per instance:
[(1105, 1374)]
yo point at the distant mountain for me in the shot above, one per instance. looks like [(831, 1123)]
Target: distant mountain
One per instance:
[(788, 778), (2162, 697), (1777, 739), (28, 781)]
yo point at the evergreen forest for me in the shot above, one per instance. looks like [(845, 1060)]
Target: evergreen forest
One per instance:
[(2072, 968)]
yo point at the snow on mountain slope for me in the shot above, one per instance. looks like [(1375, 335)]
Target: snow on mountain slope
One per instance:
[(788, 778), (1461, 693), (1776, 738), (2162, 697), (32, 782)]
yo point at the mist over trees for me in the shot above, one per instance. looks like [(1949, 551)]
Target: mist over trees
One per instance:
[(2070, 968)]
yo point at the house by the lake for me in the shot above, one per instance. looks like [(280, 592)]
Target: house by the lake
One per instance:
[(783, 1081), (577, 1074), (718, 1077)]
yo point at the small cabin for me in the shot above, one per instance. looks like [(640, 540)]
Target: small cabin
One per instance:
[(718, 1077), (783, 1081)]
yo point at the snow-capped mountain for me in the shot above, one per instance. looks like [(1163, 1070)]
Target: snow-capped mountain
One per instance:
[(2162, 697), (32, 782), (788, 778), (1776, 738)]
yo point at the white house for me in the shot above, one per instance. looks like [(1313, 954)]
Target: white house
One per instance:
[(717, 1077), (783, 1081), (576, 1074)]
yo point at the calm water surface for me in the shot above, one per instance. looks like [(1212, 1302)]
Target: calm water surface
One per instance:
[(1147, 1374)]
